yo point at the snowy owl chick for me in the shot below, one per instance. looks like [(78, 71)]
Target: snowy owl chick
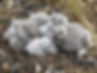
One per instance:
[(59, 19), (40, 46), (16, 36), (78, 39), (39, 18), (21, 31)]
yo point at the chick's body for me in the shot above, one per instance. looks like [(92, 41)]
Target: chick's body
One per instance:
[(40, 46)]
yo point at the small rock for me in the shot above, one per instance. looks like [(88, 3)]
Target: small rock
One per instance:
[(5, 67), (15, 68), (52, 69), (2, 54), (38, 68)]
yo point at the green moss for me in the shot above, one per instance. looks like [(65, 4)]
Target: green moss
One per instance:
[(73, 6)]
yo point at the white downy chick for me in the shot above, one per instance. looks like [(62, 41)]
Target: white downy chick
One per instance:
[(59, 19), (39, 18), (40, 23), (60, 23), (21, 31), (40, 46), (78, 39), (60, 31), (16, 36)]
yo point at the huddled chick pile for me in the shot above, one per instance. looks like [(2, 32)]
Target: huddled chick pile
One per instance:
[(41, 33)]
